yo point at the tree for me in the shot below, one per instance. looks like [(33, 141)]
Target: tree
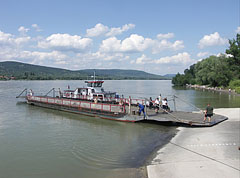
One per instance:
[(234, 61)]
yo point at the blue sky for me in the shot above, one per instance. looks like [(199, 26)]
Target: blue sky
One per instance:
[(156, 36)]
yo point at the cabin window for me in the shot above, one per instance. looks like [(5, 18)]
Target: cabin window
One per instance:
[(92, 90), (89, 84), (97, 84)]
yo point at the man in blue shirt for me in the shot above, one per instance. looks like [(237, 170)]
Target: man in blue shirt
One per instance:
[(141, 109)]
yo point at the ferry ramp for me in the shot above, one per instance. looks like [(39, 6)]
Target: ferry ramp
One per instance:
[(179, 118)]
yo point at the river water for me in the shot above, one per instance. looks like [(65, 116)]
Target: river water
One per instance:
[(37, 142)]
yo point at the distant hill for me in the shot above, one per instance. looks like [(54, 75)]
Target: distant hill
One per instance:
[(122, 74), (170, 76), (35, 72)]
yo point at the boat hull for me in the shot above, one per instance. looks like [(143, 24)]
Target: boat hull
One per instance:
[(89, 111)]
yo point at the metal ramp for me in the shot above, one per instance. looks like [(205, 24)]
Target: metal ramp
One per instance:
[(185, 119), (21, 95)]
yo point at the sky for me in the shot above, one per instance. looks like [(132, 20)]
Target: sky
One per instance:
[(156, 36)]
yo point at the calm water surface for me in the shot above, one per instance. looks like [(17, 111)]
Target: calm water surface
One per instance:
[(38, 142)]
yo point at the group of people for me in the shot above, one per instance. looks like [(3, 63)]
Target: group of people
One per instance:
[(158, 103), (163, 103)]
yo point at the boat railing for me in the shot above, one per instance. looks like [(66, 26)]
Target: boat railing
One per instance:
[(114, 108), (109, 99)]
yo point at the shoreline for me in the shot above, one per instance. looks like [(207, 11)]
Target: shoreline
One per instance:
[(215, 89), (192, 151)]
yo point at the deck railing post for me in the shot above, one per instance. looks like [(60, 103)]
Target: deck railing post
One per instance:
[(145, 106), (129, 111), (54, 92)]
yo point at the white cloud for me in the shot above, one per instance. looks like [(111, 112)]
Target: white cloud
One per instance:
[(143, 60), (238, 30), (224, 55), (36, 27), (101, 29), (212, 40), (101, 56), (165, 36), (202, 54), (98, 30), (7, 39), (36, 55), (167, 45), (134, 43), (179, 58), (66, 42), (118, 31), (23, 30)]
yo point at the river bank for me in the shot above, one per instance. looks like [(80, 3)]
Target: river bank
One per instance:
[(215, 89), (201, 152)]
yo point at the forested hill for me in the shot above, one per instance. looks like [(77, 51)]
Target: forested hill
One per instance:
[(19, 70)]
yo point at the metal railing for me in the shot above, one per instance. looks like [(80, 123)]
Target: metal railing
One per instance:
[(115, 108)]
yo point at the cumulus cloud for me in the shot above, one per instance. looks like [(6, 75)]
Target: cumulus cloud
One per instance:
[(102, 56), (7, 39), (180, 58), (36, 27), (120, 30), (212, 40), (23, 30), (66, 42), (101, 29), (134, 43), (202, 54), (137, 43), (167, 45), (143, 60), (98, 30), (238, 30), (165, 36), (223, 55)]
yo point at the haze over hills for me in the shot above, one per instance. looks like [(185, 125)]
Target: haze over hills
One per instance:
[(26, 71)]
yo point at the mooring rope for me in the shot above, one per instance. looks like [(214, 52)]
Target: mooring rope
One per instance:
[(205, 156)]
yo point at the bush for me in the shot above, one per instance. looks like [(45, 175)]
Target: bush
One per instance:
[(237, 89), (234, 84)]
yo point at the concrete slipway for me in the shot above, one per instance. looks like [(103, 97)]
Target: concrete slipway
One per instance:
[(210, 152)]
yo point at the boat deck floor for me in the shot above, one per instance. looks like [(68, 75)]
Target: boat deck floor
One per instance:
[(177, 118)]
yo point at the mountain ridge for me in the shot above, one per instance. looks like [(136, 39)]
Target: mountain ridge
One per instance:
[(25, 71)]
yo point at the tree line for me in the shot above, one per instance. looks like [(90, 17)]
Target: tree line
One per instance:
[(215, 71)]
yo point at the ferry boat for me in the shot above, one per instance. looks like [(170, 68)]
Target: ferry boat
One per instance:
[(93, 100)]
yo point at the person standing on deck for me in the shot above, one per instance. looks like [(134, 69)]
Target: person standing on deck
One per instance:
[(165, 105), (208, 113), (160, 100), (156, 103), (150, 103), (141, 109)]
